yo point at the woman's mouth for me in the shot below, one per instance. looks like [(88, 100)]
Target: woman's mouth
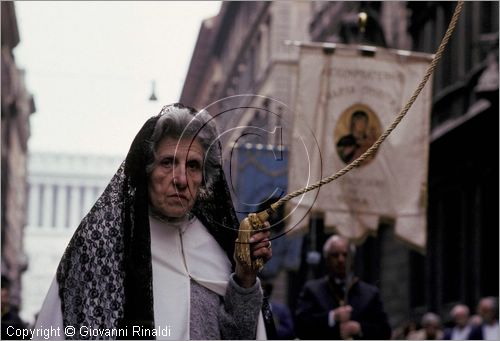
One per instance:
[(179, 196)]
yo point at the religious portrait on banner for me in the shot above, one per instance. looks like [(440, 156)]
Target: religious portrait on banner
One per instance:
[(356, 130)]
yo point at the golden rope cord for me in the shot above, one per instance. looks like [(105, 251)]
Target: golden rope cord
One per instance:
[(376, 145)]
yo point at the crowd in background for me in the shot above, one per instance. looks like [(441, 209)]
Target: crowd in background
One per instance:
[(461, 324)]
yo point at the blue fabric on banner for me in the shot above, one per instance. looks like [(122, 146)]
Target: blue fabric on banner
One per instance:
[(257, 175)]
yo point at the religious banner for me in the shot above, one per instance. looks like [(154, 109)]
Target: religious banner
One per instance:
[(348, 100)]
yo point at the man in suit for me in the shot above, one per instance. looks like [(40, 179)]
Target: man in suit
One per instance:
[(339, 305), (488, 330), (461, 330), (431, 328)]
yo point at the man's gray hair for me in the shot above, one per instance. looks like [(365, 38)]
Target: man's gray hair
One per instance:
[(180, 122), (492, 302), (335, 237), (459, 307), (430, 318)]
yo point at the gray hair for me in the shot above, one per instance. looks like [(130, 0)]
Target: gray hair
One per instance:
[(178, 122), (430, 318), (335, 237), (491, 301), (459, 307)]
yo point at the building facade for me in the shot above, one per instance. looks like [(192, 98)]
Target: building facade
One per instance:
[(62, 188), (463, 168), (17, 106), (243, 70)]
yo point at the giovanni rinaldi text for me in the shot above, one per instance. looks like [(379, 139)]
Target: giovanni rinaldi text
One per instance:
[(43, 332)]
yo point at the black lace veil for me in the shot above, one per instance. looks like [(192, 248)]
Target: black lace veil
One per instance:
[(105, 274)]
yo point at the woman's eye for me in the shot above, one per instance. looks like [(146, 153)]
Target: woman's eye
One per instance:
[(193, 165), (166, 162)]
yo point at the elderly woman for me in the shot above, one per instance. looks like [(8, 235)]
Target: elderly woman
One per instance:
[(154, 256)]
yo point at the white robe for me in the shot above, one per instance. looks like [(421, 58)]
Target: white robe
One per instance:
[(179, 252)]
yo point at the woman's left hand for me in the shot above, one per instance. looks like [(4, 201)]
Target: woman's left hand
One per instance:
[(260, 247)]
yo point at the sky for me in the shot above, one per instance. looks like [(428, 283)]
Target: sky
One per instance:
[(90, 65)]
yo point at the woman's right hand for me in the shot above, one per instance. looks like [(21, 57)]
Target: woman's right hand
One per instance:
[(260, 247)]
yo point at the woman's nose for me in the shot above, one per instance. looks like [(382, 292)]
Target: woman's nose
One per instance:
[(180, 179)]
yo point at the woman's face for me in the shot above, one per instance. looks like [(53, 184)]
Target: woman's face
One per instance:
[(176, 177)]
